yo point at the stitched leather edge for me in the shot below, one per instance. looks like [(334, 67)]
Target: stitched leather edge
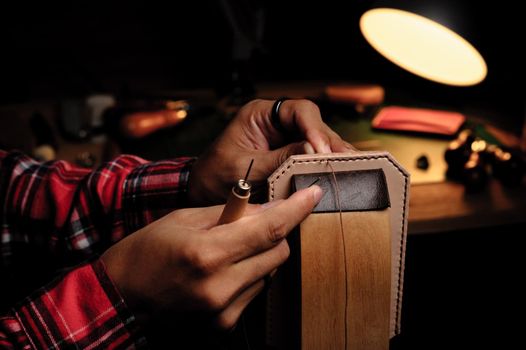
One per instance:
[(365, 157)]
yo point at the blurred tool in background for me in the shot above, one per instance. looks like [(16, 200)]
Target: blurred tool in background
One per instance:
[(142, 123), (364, 98), (82, 118), (471, 158)]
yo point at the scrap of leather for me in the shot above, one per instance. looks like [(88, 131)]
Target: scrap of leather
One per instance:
[(361, 190)]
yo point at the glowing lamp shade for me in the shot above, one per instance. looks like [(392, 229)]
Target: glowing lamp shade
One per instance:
[(423, 47)]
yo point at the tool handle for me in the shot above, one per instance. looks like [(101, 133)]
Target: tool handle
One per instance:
[(141, 124), (234, 208)]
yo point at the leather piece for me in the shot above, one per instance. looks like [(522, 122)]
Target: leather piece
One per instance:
[(360, 190), (280, 187)]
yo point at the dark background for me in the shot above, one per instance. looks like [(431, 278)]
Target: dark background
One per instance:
[(50, 49), (460, 287)]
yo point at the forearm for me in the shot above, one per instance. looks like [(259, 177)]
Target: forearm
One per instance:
[(68, 213), (79, 310)]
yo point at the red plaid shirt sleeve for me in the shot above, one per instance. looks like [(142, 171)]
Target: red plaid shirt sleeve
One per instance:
[(55, 216)]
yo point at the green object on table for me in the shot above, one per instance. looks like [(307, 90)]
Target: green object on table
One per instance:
[(479, 130)]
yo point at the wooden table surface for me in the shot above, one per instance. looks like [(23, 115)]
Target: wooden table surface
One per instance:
[(443, 207)]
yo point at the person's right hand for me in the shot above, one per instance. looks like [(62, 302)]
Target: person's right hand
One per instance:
[(184, 263)]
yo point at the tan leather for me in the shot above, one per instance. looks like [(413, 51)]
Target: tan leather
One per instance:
[(279, 184)]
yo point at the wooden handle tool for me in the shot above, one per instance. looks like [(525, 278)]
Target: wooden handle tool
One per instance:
[(237, 200)]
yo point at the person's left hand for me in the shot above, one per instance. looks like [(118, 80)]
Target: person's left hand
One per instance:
[(251, 135)]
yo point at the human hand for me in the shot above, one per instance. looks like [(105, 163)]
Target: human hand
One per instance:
[(184, 264), (251, 135)]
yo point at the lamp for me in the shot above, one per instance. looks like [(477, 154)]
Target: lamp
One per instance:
[(423, 47)]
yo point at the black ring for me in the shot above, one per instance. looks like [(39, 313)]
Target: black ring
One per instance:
[(274, 115)]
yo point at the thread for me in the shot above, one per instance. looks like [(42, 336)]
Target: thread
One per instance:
[(337, 191)]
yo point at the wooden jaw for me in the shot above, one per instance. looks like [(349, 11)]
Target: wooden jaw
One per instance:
[(345, 287)]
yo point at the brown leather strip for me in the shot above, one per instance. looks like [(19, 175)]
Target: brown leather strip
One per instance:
[(361, 190)]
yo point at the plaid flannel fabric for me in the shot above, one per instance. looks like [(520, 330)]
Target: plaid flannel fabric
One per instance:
[(54, 216)]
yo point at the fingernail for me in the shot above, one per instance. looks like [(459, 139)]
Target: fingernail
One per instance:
[(308, 148), (316, 193), (325, 148)]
